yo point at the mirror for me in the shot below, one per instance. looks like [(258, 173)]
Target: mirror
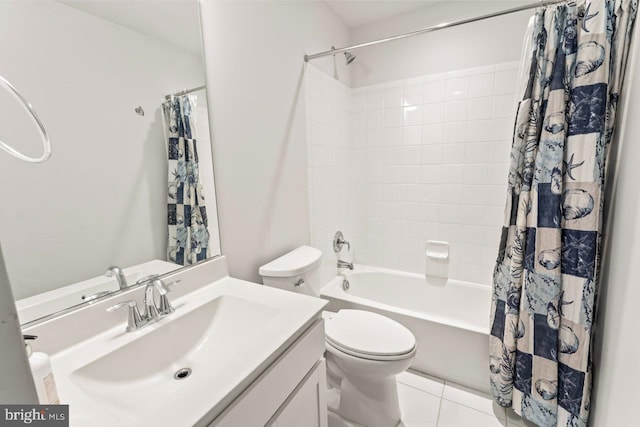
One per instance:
[(97, 73)]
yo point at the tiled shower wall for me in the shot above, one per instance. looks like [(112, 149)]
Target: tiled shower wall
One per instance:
[(334, 164), (420, 159)]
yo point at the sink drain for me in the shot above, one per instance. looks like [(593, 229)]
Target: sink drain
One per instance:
[(182, 373)]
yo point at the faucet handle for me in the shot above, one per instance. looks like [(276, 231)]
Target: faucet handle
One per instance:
[(135, 319), (169, 286), (164, 306), (146, 278), (339, 242)]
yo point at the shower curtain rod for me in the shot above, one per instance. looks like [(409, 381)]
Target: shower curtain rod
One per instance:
[(543, 3), (184, 92)]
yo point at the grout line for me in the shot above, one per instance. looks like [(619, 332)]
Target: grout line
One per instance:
[(475, 409), (439, 410), (419, 389), (470, 407)]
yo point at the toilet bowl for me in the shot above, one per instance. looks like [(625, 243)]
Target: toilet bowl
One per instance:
[(369, 350), (364, 350)]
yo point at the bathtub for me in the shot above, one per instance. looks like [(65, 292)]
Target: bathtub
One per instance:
[(450, 321)]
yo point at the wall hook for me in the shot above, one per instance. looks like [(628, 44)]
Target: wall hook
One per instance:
[(139, 111)]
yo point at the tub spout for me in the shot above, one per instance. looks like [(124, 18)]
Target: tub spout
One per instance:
[(344, 264)]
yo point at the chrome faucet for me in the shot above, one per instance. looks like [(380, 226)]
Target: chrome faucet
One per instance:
[(116, 271), (345, 264), (163, 308), (152, 311)]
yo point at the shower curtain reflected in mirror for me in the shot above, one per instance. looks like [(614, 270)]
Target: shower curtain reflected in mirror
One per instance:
[(187, 215), (546, 276)]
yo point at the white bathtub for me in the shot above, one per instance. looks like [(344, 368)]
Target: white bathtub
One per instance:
[(450, 321)]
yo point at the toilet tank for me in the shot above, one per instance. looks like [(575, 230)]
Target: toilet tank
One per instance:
[(297, 271)]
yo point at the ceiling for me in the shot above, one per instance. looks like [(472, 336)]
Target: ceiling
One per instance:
[(155, 18), (356, 13)]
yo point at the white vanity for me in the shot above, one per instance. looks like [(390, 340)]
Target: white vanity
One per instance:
[(233, 354)]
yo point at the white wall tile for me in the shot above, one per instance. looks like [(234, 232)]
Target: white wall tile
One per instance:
[(431, 174), (375, 98), (393, 95), (474, 195), (411, 211), (432, 154), (505, 82), (451, 193), (478, 131), (393, 117), (452, 174), (412, 115), (413, 94), (433, 133), (435, 91), (477, 152), (433, 113), (455, 111), (412, 135), (457, 88), (412, 160), (497, 173), (392, 136), (479, 108), (475, 174), (429, 230), (503, 106), (452, 153), (411, 154), (429, 212), (502, 129), (375, 119), (430, 193), (481, 85), (410, 174), (455, 132)]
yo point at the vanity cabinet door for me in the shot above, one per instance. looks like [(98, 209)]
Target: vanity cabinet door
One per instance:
[(306, 406)]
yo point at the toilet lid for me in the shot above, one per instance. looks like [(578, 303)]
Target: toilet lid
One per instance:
[(369, 334)]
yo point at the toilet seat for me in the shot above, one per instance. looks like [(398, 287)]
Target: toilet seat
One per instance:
[(368, 335)]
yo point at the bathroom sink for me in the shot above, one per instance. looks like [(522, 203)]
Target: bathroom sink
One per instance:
[(186, 368), (204, 341)]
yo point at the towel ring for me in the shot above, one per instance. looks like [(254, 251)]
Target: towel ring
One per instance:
[(46, 143)]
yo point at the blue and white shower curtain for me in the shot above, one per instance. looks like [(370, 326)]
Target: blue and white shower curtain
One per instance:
[(546, 275), (187, 214)]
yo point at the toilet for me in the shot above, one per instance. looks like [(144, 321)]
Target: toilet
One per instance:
[(364, 350)]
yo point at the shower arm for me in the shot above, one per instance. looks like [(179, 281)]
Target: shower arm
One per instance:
[(444, 25)]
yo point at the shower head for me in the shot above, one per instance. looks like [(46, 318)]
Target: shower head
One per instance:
[(349, 57)]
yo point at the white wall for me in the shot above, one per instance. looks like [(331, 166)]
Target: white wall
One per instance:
[(616, 362), (101, 198), (254, 60), (487, 42)]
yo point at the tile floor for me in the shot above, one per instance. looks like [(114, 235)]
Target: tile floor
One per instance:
[(431, 402)]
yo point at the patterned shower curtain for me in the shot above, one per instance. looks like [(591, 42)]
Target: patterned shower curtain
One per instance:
[(546, 275), (187, 214)]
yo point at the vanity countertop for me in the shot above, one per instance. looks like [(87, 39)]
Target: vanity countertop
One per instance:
[(226, 332)]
